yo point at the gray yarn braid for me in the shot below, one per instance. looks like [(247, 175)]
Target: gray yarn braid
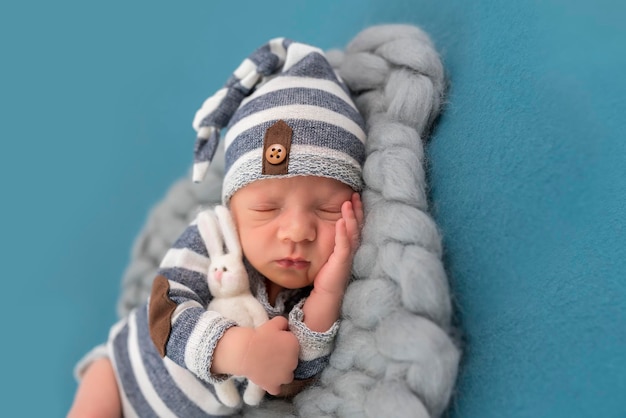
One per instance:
[(394, 354)]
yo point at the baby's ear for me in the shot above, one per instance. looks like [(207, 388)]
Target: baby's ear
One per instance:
[(210, 233), (229, 230)]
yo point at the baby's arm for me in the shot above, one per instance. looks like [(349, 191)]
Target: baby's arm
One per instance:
[(322, 307)]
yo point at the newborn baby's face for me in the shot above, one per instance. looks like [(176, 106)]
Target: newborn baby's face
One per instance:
[(287, 226)]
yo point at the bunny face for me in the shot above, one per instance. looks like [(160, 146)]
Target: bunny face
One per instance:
[(287, 226), (227, 276)]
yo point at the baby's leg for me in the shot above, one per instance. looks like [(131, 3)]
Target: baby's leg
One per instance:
[(97, 394)]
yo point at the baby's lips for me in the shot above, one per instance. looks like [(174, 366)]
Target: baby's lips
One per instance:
[(297, 264)]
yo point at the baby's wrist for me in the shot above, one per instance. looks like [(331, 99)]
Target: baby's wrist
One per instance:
[(321, 309), (231, 350), (332, 294)]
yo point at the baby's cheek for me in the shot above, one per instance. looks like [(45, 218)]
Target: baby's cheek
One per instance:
[(327, 242)]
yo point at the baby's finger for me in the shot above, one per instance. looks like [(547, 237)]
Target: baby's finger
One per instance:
[(272, 390), (340, 261), (352, 225), (357, 206), (342, 242)]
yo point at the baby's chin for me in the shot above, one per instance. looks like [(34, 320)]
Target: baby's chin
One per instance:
[(289, 279)]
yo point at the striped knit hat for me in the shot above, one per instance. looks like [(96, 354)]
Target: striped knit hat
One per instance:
[(286, 113)]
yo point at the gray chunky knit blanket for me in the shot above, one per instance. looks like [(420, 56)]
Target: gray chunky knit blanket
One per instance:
[(395, 355)]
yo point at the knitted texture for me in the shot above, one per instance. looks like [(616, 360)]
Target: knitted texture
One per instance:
[(394, 354), (285, 95)]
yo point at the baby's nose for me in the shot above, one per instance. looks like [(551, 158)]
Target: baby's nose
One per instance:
[(297, 227)]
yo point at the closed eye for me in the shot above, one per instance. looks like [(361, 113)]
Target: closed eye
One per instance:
[(263, 213), (264, 209), (331, 213)]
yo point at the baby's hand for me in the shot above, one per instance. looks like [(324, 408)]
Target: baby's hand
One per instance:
[(333, 276), (271, 355)]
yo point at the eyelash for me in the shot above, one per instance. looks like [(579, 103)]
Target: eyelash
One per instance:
[(330, 213), (264, 213)]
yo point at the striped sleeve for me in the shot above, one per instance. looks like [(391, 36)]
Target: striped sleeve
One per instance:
[(194, 331), (315, 347)]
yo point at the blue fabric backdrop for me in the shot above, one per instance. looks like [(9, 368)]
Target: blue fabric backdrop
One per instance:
[(526, 168)]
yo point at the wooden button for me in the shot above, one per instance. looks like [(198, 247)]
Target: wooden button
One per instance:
[(275, 154), (276, 148)]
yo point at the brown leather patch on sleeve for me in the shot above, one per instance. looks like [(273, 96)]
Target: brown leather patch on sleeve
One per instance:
[(292, 389), (160, 313), (277, 136)]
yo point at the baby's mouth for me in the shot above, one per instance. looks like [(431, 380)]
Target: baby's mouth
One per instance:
[(293, 263)]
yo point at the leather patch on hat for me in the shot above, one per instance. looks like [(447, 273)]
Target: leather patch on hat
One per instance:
[(160, 313), (276, 147)]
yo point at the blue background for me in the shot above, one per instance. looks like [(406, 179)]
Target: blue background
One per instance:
[(526, 166)]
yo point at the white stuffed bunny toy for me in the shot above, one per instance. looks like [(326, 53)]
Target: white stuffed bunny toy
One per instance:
[(230, 286)]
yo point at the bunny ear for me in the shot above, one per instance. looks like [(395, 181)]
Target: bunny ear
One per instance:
[(228, 230), (210, 233)]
